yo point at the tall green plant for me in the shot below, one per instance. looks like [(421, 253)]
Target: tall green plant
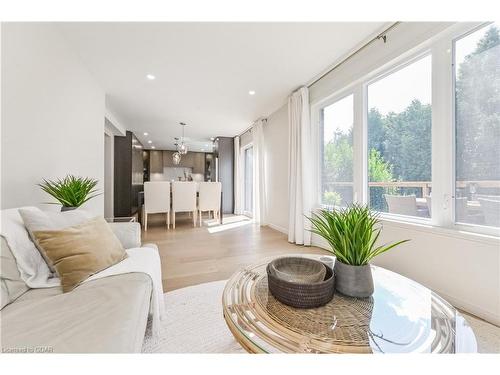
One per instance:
[(352, 233), (71, 191)]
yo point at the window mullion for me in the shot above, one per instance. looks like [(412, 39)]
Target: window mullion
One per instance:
[(360, 178), (442, 134)]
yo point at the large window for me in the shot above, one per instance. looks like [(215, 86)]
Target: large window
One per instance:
[(336, 121), (399, 141), (477, 127), (419, 138)]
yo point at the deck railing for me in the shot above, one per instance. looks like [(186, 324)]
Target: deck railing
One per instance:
[(426, 186)]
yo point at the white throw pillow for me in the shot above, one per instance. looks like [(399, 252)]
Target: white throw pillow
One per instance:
[(38, 220)]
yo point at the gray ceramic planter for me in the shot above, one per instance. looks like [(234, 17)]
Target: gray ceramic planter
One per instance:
[(64, 208), (353, 281)]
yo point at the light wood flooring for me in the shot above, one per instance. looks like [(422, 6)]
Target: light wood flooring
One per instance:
[(192, 256)]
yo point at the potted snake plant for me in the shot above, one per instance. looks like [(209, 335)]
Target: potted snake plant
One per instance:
[(71, 192), (352, 234)]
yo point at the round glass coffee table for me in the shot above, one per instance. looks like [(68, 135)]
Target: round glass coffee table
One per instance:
[(402, 316)]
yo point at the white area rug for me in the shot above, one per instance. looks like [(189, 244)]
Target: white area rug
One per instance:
[(194, 324)]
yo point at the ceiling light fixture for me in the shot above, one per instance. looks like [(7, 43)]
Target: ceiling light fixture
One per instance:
[(176, 157), (183, 147), (153, 147), (150, 142), (146, 134), (150, 77), (251, 92)]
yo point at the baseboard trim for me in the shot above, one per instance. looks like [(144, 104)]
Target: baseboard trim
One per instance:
[(488, 316), (278, 228)]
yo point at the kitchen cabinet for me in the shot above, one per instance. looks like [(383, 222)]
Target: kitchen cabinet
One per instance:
[(155, 161), (128, 174)]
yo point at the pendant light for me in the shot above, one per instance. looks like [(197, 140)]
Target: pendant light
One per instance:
[(176, 156), (183, 149)]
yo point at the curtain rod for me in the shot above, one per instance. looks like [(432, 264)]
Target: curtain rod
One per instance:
[(250, 127), (382, 36)]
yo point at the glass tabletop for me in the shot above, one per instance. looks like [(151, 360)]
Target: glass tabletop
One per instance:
[(402, 316)]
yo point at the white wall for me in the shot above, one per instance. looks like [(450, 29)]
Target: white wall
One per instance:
[(52, 115), (462, 268), (276, 164)]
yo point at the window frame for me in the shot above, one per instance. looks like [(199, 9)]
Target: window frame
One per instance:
[(442, 52), (393, 68), (466, 227), (320, 136), (243, 151)]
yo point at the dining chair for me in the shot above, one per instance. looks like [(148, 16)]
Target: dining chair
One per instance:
[(491, 211), (209, 198), (184, 199), (156, 200), (402, 204)]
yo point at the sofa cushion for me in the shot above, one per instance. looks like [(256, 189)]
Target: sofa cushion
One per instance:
[(80, 251), (36, 220), (12, 284), (107, 315)]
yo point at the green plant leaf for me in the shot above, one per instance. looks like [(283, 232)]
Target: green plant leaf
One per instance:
[(352, 233), (71, 191)]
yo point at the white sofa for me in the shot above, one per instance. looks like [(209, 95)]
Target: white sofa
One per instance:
[(107, 315)]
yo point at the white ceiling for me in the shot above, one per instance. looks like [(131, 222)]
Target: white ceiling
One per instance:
[(205, 70)]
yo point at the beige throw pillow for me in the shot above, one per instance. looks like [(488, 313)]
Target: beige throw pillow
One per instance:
[(80, 251), (36, 220)]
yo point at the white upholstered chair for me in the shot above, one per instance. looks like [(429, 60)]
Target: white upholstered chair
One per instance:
[(209, 198), (491, 211), (156, 200), (184, 199), (402, 204)]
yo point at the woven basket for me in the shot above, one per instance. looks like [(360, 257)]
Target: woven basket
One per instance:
[(298, 270), (301, 295)]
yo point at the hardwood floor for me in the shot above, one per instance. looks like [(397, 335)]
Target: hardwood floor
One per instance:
[(192, 256)]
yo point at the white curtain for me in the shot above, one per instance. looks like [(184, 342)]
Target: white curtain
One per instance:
[(259, 191), (238, 178), (300, 184)]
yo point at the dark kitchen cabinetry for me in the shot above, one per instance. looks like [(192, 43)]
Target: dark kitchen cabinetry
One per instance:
[(155, 161), (224, 154), (128, 174)]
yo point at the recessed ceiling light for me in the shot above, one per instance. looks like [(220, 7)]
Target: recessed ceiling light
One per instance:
[(150, 141), (150, 77), (153, 147), (146, 133), (212, 139), (251, 92)]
